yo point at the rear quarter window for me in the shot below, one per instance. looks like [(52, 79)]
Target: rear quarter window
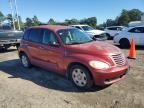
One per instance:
[(112, 28), (26, 35), (137, 30)]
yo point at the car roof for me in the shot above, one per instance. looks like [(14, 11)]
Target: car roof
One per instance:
[(138, 26), (114, 26), (52, 27), (80, 25)]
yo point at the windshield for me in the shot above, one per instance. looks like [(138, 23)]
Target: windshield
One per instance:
[(87, 28), (74, 36)]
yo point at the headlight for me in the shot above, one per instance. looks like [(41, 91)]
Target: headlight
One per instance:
[(98, 65)]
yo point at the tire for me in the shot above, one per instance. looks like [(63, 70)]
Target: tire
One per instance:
[(17, 46), (81, 77), (124, 43), (25, 60), (6, 47)]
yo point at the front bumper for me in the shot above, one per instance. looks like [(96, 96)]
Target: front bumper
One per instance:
[(110, 76), (6, 42)]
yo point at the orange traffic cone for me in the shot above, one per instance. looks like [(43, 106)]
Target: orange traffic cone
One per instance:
[(132, 52)]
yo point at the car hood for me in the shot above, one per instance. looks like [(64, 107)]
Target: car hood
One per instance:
[(94, 48), (95, 32)]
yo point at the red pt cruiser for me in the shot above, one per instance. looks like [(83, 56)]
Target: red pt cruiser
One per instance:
[(68, 51)]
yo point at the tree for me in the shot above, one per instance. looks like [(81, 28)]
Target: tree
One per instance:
[(28, 22), (35, 21), (92, 21), (9, 18), (71, 22), (51, 22), (124, 19), (110, 22), (2, 18), (135, 15)]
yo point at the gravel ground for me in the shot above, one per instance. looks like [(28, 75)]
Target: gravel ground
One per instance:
[(37, 88)]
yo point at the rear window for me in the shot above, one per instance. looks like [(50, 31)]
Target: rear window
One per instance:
[(137, 30), (26, 34), (112, 28)]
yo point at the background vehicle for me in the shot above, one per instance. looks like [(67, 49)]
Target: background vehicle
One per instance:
[(124, 38), (135, 23), (9, 37), (94, 33), (113, 30), (70, 52)]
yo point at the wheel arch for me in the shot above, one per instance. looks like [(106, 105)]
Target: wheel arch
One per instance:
[(21, 52), (77, 63), (124, 38)]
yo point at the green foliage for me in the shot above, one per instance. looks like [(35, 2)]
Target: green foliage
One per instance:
[(9, 18), (92, 21), (71, 22), (35, 21), (125, 17), (28, 22), (110, 22), (2, 18), (51, 22), (32, 22), (135, 15)]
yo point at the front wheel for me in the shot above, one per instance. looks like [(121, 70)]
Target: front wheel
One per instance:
[(81, 77), (124, 43)]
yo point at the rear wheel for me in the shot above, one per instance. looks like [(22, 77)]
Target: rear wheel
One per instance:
[(25, 60), (81, 77), (124, 43)]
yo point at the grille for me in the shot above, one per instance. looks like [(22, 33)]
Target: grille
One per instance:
[(119, 59)]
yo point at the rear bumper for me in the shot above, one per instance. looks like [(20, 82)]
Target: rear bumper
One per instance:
[(110, 76)]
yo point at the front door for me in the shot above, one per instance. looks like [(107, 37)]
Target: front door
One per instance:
[(50, 52), (137, 34)]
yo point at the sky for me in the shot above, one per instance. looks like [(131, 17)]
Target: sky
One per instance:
[(60, 10)]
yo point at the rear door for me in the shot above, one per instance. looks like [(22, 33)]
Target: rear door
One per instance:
[(33, 44), (142, 36), (137, 33)]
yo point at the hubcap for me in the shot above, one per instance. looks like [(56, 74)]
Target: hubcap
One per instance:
[(79, 77), (24, 61)]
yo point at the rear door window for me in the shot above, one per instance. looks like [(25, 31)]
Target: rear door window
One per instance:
[(112, 28), (26, 34), (137, 30), (36, 35)]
